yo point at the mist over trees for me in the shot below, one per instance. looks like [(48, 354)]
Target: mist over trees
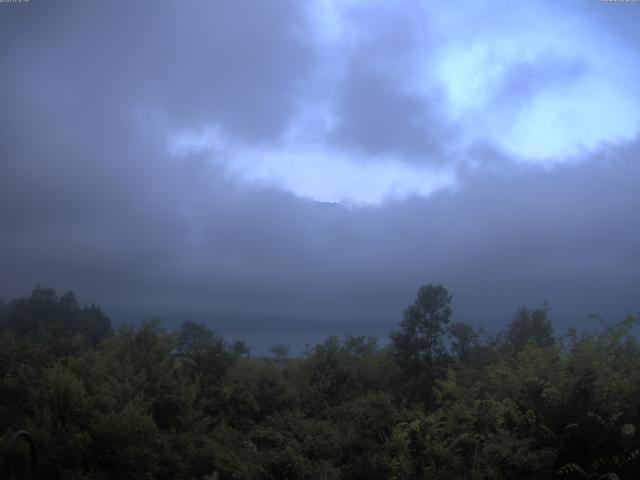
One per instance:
[(441, 400)]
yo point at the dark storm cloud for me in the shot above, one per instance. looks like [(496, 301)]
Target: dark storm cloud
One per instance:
[(377, 104), (548, 70), (380, 118), (233, 62), (92, 200)]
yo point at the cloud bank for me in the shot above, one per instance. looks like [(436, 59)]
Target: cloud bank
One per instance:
[(299, 169)]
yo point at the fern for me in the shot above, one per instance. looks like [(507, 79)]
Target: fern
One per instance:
[(571, 468)]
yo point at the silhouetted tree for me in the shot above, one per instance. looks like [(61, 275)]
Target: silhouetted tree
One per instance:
[(280, 352), (240, 349), (45, 316), (194, 337), (530, 326), (418, 344), (463, 339)]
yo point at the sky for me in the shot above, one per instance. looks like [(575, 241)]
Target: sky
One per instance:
[(286, 170)]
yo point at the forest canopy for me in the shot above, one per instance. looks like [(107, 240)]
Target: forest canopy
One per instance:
[(440, 400)]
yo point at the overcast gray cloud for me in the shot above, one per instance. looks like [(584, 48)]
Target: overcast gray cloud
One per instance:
[(289, 170)]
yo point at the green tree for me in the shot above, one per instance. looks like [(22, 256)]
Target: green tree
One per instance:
[(194, 337), (280, 352), (530, 326), (464, 339), (418, 345), (56, 320)]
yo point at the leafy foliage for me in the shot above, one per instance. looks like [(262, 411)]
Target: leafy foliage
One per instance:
[(418, 345), (146, 403)]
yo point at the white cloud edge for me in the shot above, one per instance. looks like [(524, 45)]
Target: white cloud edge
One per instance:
[(315, 171)]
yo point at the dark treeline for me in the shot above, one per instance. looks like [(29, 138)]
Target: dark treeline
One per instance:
[(440, 401)]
